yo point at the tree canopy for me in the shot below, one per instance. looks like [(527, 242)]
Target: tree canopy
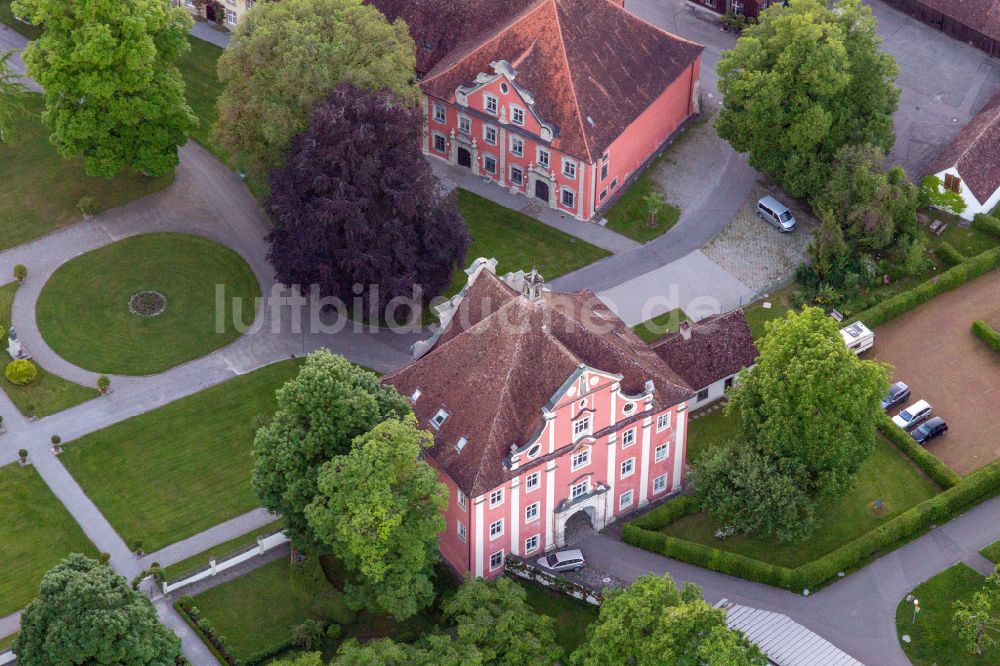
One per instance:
[(320, 412), (285, 57), (803, 83), (85, 613), (357, 204), (379, 510), (810, 403), (113, 94), (975, 620), (429, 650), (652, 622)]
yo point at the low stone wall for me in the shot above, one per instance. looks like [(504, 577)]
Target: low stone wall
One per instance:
[(217, 566)]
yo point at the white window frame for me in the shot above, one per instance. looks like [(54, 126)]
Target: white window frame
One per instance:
[(662, 422), (531, 544), (662, 482), (495, 163), (438, 419), (532, 481), (532, 512), (444, 143), (487, 130), (583, 426), (583, 487), (546, 163), (516, 141), (462, 533), (440, 113), (231, 16), (513, 168), (627, 468), (622, 503), (569, 168), (494, 556), (491, 103), (415, 395), (464, 124), (496, 498), (628, 438), (461, 498), (250, 4), (563, 192), (661, 452), (580, 459), (496, 529)]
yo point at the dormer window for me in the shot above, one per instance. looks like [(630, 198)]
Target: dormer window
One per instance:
[(415, 395), (462, 441), (438, 419), (490, 104)]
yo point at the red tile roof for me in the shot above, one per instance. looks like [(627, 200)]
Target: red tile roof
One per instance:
[(494, 373), (976, 151), (591, 66), (983, 16), (719, 346)]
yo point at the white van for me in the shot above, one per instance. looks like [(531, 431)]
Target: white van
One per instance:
[(776, 213), (858, 337)]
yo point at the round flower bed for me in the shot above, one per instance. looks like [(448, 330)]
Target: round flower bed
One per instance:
[(147, 303)]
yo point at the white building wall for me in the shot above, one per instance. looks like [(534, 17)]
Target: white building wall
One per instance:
[(974, 207)]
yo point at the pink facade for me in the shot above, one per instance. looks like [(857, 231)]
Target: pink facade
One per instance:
[(597, 451)]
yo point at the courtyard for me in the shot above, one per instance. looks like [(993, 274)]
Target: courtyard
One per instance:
[(933, 350)]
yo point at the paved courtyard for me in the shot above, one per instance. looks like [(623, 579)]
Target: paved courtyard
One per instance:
[(934, 351)]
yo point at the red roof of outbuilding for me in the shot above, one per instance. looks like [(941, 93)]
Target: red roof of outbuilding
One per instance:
[(975, 152), (719, 346), (591, 66)]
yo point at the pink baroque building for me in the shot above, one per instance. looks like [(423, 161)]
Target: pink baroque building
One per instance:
[(563, 101), (546, 410)]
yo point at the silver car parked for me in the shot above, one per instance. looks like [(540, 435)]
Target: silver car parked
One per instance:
[(564, 560), (776, 213)]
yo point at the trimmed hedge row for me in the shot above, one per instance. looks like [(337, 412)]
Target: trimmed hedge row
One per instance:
[(971, 490), (987, 224), (947, 253), (932, 466), (669, 512), (986, 333), (950, 279)]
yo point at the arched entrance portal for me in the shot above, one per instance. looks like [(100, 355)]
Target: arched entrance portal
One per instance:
[(464, 158), (579, 526), (575, 519)]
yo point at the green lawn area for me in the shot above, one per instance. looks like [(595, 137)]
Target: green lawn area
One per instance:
[(992, 552), (708, 431), (757, 315), (201, 559), (41, 189), (49, 393), (171, 473), (572, 616), (83, 311), (7, 641), (629, 215), (932, 637), (886, 475), (37, 532), (966, 240), (653, 329), (201, 82), (518, 242)]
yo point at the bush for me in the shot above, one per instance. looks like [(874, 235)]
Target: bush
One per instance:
[(333, 631), (308, 635), (985, 332), (20, 272), (932, 466), (21, 372), (87, 205), (987, 224), (22, 454), (949, 255)]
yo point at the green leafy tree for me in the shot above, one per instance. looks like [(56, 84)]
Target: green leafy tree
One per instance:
[(320, 412), (285, 57), (652, 622), (494, 617), (803, 83), (11, 90), (379, 510), (933, 194), (975, 621), (85, 613), (429, 650), (810, 403), (113, 94), (304, 659), (828, 250), (748, 490)]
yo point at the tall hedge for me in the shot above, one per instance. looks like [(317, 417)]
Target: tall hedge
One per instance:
[(985, 332), (932, 466), (987, 224)]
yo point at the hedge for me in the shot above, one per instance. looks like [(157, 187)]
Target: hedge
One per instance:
[(950, 279), (969, 491), (987, 224), (947, 253), (932, 466), (986, 333)]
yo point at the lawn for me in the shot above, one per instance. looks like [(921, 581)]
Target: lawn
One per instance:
[(38, 532), (992, 552), (7, 641), (518, 242), (171, 473), (84, 314), (757, 315), (932, 636), (49, 393), (886, 475), (41, 189), (201, 81), (629, 215), (708, 431), (653, 329), (177, 570), (571, 615)]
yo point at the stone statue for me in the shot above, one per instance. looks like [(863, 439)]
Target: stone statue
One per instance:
[(14, 345)]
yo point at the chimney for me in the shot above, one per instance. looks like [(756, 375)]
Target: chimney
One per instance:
[(532, 286), (686, 329)]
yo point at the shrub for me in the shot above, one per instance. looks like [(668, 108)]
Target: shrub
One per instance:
[(103, 383), (932, 466), (21, 372), (949, 255), (23, 454), (985, 332), (87, 205), (308, 635), (56, 440), (20, 272), (333, 631), (987, 224)]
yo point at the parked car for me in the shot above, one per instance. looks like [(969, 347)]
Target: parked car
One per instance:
[(898, 392), (916, 413), (776, 213), (564, 560), (929, 429)]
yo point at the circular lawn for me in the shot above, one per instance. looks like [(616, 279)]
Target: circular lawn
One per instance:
[(145, 304)]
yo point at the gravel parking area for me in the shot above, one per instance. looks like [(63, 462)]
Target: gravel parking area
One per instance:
[(933, 350)]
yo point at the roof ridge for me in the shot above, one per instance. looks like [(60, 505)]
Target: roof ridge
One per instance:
[(572, 83)]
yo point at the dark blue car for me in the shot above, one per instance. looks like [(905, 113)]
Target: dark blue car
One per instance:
[(898, 392), (929, 429)]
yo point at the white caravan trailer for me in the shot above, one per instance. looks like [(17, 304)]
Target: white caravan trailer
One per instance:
[(858, 337)]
